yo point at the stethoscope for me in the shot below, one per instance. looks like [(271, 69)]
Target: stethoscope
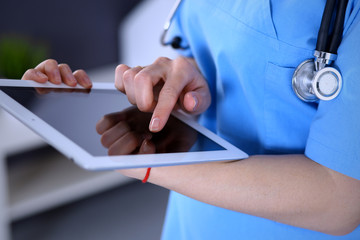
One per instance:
[(175, 42), (313, 79)]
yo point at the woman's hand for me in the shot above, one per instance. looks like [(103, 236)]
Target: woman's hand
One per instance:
[(162, 86), (50, 70)]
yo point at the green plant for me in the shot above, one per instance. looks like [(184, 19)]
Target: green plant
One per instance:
[(18, 54)]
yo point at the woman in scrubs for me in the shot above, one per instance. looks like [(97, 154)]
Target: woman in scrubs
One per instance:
[(302, 179)]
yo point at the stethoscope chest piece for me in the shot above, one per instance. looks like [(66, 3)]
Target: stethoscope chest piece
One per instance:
[(310, 85), (314, 79), (301, 81), (327, 83)]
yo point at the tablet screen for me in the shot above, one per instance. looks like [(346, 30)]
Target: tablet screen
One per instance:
[(75, 113)]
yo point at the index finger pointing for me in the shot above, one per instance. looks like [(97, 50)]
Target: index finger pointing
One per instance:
[(168, 97)]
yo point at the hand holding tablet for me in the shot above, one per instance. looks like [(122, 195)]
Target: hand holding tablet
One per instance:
[(50, 71), (57, 107), (67, 121)]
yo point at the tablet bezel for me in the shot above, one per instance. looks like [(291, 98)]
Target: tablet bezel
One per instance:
[(87, 161)]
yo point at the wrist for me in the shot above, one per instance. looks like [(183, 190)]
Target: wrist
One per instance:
[(147, 175)]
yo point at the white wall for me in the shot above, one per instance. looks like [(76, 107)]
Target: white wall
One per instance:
[(140, 33)]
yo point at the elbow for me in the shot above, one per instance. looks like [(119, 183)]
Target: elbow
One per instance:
[(342, 214), (342, 222), (341, 230), (338, 219)]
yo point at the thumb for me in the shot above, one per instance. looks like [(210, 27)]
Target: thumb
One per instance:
[(196, 102)]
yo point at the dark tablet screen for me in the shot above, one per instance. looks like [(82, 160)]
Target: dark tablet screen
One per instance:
[(75, 113)]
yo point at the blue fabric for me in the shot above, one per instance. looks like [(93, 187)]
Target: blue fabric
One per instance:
[(248, 51)]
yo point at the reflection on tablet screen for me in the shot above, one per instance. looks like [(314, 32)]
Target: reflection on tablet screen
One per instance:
[(75, 114)]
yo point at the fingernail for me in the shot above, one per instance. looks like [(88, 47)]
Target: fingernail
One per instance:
[(72, 81), (146, 147), (196, 102), (40, 74), (88, 81), (154, 124), (57, 80)]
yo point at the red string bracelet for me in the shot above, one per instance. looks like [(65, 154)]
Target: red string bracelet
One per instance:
[(147, 175)]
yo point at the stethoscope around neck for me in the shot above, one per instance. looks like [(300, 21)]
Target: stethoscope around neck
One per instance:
[(313, 79)]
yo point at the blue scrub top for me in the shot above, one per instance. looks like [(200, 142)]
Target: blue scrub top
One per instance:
[(248, 51)]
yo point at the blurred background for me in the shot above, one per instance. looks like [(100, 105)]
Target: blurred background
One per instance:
[(44, 196)]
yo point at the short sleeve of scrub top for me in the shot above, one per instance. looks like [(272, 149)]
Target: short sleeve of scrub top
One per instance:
[(248, 51), (334, 139)]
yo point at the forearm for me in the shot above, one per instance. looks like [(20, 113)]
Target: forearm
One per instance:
[(290, 189)]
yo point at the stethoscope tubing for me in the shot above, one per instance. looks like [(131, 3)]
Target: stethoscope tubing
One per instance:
[(323, 33), (338, 26), (168, 22), (314, 85), (323, 44)]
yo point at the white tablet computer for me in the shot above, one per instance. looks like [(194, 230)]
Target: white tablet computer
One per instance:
[(66, 118)]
